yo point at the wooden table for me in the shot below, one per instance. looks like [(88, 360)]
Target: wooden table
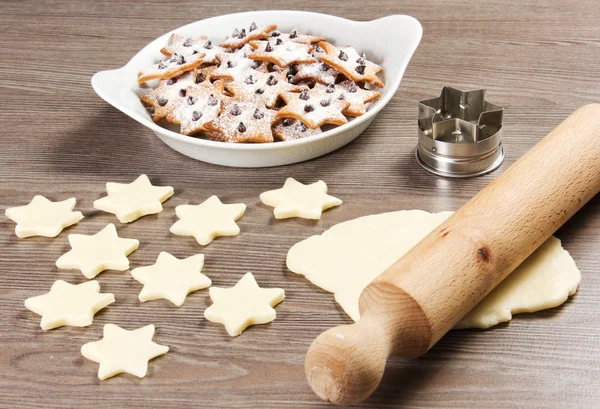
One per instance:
[(539, 59)]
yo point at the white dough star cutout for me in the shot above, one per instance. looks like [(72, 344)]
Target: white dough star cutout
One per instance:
[(130, 201), (121, 351), (243, 305), (208, 220), (171, 278), (297, 200), (95, 253), (41, 217), (68, 304)]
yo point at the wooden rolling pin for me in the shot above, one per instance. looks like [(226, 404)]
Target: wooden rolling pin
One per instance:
[(411, 305)]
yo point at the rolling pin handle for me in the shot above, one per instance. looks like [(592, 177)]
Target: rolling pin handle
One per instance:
[(347, 360)]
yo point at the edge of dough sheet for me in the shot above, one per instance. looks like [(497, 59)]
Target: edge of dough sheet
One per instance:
[(358, 250)]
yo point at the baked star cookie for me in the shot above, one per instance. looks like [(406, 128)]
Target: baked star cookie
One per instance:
[(350, 63), (202, 105), (356, 96), (295, 36), (208, 220), (169, 95), (236, 65), (41, 217), (68, 304), (121, 351), (173, 67), (243, 305), (315, 107), (242, 122), (317, 71), (92, 254), (289, 129), (281, 53), (189, 46), (266, 86), (130, 201), (297, 200), (171, 278), (243, 36)]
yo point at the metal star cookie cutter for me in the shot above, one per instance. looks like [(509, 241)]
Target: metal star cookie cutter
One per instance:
[(460, 134)]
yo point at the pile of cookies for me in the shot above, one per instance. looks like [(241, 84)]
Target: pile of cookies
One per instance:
[(259, 85)]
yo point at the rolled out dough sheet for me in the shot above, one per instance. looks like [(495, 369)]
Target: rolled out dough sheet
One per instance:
[(347, 257)]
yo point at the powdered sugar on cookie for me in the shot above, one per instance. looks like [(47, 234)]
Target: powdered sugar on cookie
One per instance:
[(266, 86), (236, 65), (356, 96), (353, 65), (202, 105), (317, 71), (169, 95), (242, 36), (173, 67), (289, 129), (281, 53), (249, 121), (314, 107), (295, 36), (187, 46)]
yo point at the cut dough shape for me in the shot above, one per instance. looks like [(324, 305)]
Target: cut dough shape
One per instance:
[(42, 217), (295, 199), (171, 278), (130, 201), (68, 304), (348, 256), (243, 305), (92, 254), (123, 351), (208, 220)]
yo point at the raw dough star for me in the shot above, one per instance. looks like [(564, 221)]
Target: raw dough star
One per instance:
[(347, 257), (208, 220), (130, 201), (297, 200), (243, 305), (95, 253), (68, 304), (41, 217), (123, 351), (171, 278)]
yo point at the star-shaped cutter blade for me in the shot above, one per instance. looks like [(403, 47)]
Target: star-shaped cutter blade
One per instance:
[(460, 134)]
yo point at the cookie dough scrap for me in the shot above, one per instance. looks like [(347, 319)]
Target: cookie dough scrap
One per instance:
[(171, 278), (208, 220), (347, 257), (243, 305), (92, 254), (42, 217), (123, 351), (295, 199), (69, 304), (130, 201)]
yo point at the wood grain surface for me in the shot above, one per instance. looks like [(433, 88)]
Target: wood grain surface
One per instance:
[(538, 59)]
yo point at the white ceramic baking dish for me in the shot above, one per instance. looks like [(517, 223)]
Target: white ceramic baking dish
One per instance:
[(389, 41)]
